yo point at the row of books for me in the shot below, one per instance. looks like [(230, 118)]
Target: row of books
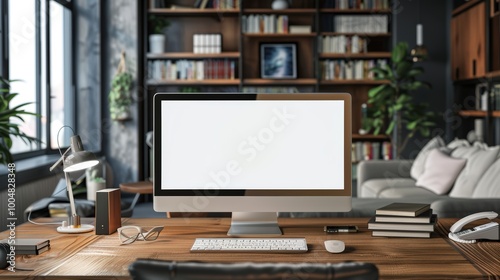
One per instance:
[(270, 90), (357, 4), (342, 69), (206, 69), (484, 97), (207, 43), (343, 44), (217, 4), (361, 24), (368, 150), (403, 220), (27, 246), (255, 23)]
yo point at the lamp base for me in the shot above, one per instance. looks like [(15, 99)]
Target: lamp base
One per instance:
[(82, 228)]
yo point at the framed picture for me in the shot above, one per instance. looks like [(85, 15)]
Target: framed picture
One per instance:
[(278, 61)]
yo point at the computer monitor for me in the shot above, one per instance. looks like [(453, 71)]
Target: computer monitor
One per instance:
[(253, 155)]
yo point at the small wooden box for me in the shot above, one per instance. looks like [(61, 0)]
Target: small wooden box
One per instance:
[(107, 211)]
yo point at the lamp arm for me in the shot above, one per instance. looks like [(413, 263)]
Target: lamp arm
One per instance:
[(60, 160), (70, 195)]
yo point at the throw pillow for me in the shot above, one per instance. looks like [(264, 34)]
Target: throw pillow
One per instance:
[(456, 143), (478, 161), (418, 165), (440, 172), (488, 186)]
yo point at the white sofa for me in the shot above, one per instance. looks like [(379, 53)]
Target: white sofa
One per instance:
[(475, 187)]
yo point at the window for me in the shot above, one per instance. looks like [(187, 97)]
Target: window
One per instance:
[(39, 55)]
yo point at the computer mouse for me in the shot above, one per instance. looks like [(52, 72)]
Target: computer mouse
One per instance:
[(334, 246)]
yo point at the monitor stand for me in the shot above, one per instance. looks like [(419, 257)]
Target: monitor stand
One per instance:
[(254, 224)]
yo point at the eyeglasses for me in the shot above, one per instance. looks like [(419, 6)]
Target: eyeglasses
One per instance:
[(129, 234)]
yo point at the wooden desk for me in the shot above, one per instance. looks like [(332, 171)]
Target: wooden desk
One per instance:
[(87, 255)]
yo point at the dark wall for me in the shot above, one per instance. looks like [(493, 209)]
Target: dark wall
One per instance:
[(120, 139), (435, 18)]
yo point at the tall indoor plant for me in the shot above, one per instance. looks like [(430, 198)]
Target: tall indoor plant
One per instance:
[(9, 129), (393, 110)]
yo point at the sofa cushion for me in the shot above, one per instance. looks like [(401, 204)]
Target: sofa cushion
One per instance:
[(440, 172), (478, 161), (419, 164), (406, 192), (489, 184), (373, 187)]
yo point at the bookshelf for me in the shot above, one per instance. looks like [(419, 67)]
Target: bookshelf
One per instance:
[(243, 49), (475, 62)]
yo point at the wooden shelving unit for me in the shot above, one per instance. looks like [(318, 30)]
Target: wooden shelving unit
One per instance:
[(470, 113), (244, 49), (475, 65), (190, 55), (355, 55)]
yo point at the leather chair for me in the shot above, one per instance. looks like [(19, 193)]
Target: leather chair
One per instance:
[(148, 269)]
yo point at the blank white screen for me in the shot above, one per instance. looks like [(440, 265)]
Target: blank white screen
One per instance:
[(272, 144)]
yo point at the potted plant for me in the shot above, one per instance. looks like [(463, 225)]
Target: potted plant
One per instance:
[(391, 106), (157, 38), (9, 129), (119, 95)]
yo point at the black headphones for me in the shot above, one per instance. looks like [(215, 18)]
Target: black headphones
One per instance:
[(4, 250)]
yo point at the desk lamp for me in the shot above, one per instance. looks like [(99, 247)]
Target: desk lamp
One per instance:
[(78, 159)]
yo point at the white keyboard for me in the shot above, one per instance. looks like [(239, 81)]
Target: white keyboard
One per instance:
[(257, 245)]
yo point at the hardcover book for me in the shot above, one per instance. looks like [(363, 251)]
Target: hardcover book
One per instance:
[(423, 218), (27, 244), (403, 209), (389, 233), (33, 252), (402, 226)]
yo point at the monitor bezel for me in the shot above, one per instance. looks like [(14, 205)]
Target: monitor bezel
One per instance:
[(159, 97)]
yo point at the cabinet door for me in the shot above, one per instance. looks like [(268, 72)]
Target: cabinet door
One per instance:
[(456, 48), (477, 42), (468, 39)]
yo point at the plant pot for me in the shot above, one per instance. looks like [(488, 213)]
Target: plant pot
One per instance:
[(122, 116), (280, 4), (92, 187), (156, 43)]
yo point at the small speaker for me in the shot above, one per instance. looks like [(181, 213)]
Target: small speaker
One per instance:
[(107, 211)]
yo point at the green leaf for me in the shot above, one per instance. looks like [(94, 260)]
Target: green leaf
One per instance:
[(415, 71), (398, 53), (374, 91), (403, 68), (390, 128)]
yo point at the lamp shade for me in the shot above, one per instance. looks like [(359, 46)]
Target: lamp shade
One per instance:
[(79, 159)]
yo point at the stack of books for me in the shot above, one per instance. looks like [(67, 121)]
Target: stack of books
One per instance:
[(403, 220), (26, 246)]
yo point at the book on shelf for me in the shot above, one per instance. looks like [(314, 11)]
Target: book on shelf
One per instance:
[(391, 233), (496, 97), (403, 209), (358, 4), (361, 24), (429, 227), (342, 69), (343, 44), (183, 69), (299, 29), (217, 4), (207, 43), (266, 24), (369, 150), (423, 218)]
